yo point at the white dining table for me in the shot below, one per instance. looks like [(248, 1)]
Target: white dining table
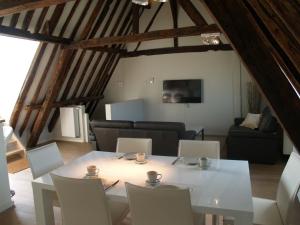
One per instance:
[(224, 188)]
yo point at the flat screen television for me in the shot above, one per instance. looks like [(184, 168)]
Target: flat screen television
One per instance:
[(182, 91)]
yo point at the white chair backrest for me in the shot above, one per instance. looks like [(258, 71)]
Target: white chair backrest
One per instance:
[(82, 201), (44, 159), (288, 187), (194, 148), (128, 145), (157, 206)]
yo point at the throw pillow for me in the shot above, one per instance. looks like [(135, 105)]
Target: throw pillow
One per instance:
[(251, 121), (268, 124)]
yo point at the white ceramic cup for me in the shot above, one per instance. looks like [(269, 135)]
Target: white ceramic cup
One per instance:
[(153, 176), (140, 156), (92, 170), (203, 162)]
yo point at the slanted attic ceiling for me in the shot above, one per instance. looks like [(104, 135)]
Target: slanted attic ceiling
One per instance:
[(77, 58)]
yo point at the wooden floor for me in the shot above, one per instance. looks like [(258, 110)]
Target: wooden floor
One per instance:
[(264, 180)]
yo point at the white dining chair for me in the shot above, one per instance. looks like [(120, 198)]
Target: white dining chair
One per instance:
[(83, 201), (281, 211), (129, 145), (44, 159), (195, 148), (164, 205)]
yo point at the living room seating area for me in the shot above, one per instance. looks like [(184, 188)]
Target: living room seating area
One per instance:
[(165, 135), (260, 145)]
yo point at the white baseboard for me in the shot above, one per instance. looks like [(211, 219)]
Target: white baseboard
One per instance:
[(6, 205)]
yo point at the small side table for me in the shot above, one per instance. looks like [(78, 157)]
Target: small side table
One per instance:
[(199, 131)]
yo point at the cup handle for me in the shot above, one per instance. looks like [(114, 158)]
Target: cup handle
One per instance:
[(159, 176)]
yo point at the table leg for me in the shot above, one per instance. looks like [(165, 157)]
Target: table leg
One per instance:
[(43, 205), (202, 134)]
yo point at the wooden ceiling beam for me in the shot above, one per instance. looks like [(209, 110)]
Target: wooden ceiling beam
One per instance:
[(108, 49), (91, 28), (289, 12), (150, 23), (14, 32), (174, 10), (32, 74), (276, 30), (262, 60), (149, 36), (173, 50), (54, 88), (16, 6), (54, 18), (135, 18), (72, 101), (192, 12)]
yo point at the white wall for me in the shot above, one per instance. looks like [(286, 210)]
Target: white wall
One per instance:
[(129, 110), (220, 72)]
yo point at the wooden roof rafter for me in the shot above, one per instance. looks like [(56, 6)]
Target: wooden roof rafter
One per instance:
[(149, 36), (265, 59), (65, 94), (16, 6)]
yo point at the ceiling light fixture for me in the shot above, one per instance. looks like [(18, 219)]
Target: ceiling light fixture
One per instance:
[(211, 39), (146, 2)]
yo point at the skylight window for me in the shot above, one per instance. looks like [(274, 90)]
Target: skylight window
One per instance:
[(16, 56)]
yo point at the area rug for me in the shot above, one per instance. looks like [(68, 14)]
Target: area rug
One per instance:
[(17, 163)]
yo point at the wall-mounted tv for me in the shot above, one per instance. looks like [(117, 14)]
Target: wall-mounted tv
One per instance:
[(182, 91)]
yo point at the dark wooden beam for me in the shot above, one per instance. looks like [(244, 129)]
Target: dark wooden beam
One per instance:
[(262, 60), (150, 23), (135, 18), (14, 32), (289, 12), (16, 6), (27, 20), (276, 30), (31, 76), (174, 10), (149, 36), (91, 28), (52, 93), (41, 19), (66, 102), (192, 12), (54, 18), (107, 49), (183, 49), (14, 20)]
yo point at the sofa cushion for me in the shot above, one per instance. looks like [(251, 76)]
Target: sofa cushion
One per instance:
[(112, 123), (268, 122), (150, 125)]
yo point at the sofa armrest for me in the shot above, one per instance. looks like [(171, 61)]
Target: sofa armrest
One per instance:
[(238, 121), (189, 135)]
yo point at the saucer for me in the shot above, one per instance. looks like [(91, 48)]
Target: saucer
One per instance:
[(87, 175), (141, 162), (91, 176), (130, 156), (190, 161), (153, 183)]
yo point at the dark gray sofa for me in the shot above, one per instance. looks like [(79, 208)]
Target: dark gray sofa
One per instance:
[(262, 145), (165, 135)]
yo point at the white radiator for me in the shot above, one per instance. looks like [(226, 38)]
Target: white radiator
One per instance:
[(70, 122)]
